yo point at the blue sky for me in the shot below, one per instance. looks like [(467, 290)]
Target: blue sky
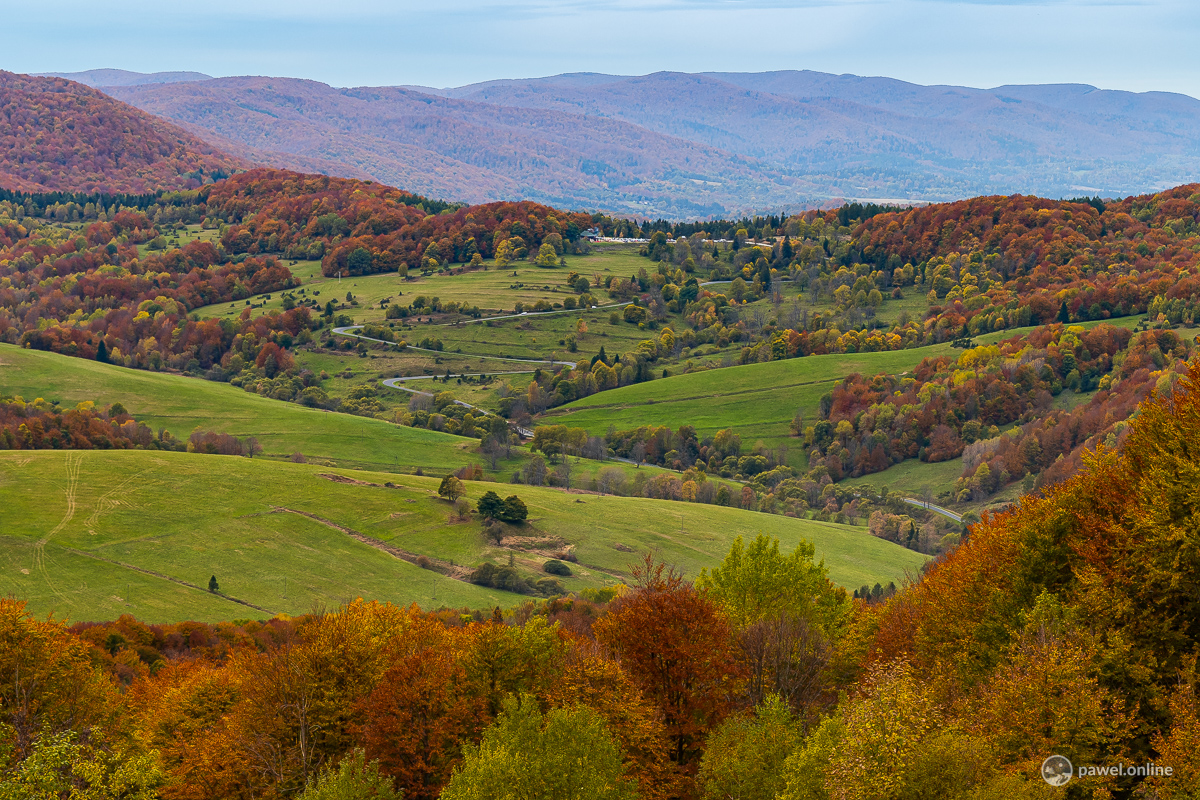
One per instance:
[(1123, 44)]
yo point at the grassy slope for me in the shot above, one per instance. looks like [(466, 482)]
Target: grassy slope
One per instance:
[(191, 516), (757, 400), (489, 288), (180, 404)]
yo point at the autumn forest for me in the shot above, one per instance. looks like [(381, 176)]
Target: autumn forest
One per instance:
[(319, 488)]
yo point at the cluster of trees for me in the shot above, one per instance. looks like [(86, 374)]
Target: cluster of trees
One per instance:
[(440, 412), (986, 264), (1083, 588), (43, 425), (361, 228), (985, 261), (222, 444), (1054, 446), (85, 292), (550, 389), (947, 404)]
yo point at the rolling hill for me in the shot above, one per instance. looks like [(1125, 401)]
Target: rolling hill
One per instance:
[(57, 135), (141, 532), (462, 149)]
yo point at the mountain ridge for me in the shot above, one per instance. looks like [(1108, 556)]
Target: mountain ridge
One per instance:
[(59, 135), (97, 78), (694, 145)]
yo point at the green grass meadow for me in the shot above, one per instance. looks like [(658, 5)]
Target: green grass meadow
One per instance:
[(82, 532), (181, 404), (758, 401)]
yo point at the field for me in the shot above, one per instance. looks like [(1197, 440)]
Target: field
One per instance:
[(758, 401), (490, 288), (481, 346), (181, 404), (94, 534)]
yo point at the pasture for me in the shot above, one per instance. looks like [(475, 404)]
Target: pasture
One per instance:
[(95, 534)]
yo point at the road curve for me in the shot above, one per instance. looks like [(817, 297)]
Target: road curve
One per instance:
[(945, 512)]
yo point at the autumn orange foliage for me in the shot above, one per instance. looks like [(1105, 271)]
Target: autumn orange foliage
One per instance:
[(56, 134)]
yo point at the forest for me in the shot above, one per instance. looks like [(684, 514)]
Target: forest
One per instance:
[(61, 136)]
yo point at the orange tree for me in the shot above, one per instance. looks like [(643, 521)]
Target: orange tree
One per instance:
[(679, 646)]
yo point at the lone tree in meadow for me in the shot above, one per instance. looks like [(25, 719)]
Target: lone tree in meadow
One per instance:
[(213, 586), (451, 488)]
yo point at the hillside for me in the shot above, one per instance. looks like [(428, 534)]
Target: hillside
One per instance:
[(1066, 627), (893, 138), (181, 404), (683, 146), (124, 528), (56, 135)]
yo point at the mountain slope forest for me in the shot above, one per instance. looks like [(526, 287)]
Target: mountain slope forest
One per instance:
[(685, 146), (57, 135)]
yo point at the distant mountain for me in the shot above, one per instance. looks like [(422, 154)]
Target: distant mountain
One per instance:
[(687, 145), (121, 77), (898, 139), (471, 151), (57, 135)]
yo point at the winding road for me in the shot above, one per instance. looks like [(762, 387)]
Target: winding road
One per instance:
[(395, 383)]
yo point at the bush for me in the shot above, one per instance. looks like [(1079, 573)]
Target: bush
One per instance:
[(555, 567), (462, 509), (494, 532), (354, 779), (509, 579), (550, 587), (568, 752)]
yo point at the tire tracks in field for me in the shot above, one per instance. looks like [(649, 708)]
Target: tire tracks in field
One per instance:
[(105, 503), (74, 464)]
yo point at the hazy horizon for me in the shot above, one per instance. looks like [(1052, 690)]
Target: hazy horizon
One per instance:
[(974, 43), (448, 87)]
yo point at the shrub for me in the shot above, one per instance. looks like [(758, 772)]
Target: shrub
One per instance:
[(555, 567), (462, 509), (549, 587)]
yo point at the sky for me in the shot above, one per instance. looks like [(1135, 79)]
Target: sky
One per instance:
[(1137, 45)]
